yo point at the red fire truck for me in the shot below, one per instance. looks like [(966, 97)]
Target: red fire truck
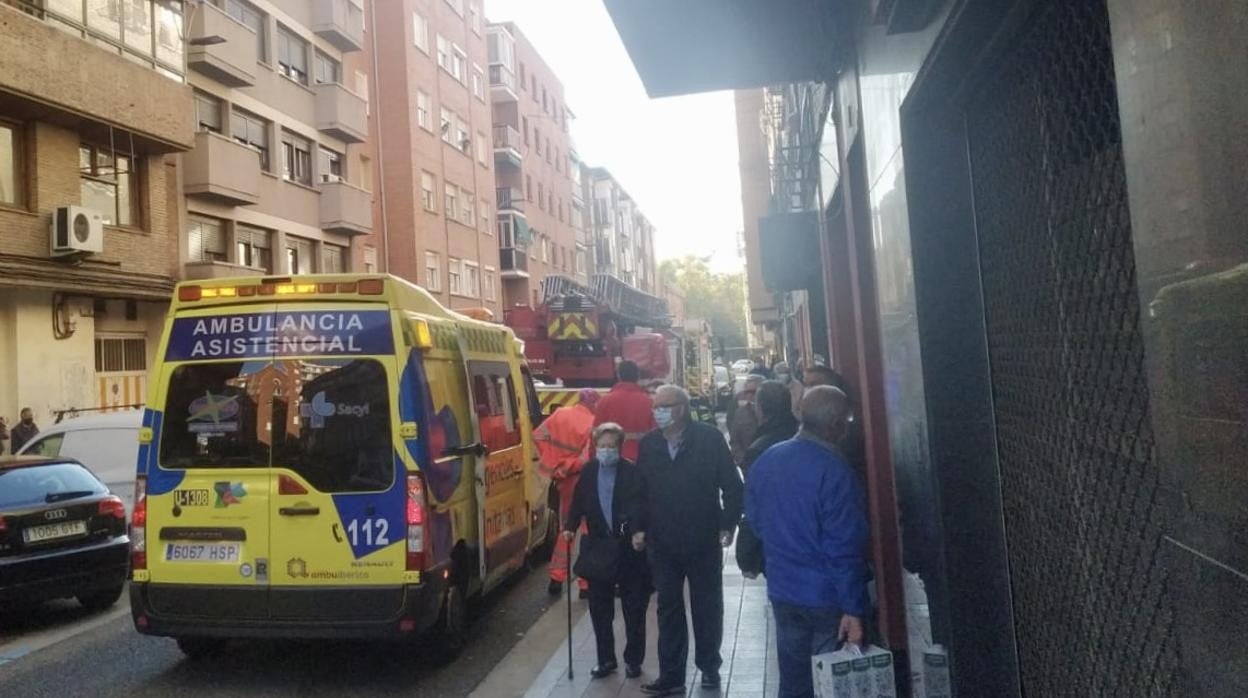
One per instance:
[(578, 334)]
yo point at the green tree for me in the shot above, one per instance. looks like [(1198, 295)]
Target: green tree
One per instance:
[(717, 298)]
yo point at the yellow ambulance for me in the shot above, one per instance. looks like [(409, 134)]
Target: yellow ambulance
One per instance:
[(330, 456)]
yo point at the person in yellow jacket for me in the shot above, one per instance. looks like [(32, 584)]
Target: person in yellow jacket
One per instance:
[(563, 446)]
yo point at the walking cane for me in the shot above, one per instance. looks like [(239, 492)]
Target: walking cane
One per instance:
[(568, 584)]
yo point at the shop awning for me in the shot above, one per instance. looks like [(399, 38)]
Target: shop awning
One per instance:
[(687, 46), (93, 279)]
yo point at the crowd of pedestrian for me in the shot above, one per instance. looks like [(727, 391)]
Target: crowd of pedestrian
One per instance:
[(658, 494)]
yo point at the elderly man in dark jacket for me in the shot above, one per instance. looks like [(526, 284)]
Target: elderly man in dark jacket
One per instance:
[(693, 503), (774, 405)]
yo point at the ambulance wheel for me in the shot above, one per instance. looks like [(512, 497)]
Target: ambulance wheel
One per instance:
[(450, 633), (200, 647)]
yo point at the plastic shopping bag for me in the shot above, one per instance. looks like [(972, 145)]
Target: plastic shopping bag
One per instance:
[(852, 672)]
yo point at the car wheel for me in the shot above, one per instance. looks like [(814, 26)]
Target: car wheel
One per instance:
[(200, 647), (102, 599), (450, 634)]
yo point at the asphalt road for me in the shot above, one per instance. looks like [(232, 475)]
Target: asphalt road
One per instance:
[(101, 655)]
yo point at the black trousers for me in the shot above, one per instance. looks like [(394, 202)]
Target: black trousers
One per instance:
[(634, 598), (704, 572)]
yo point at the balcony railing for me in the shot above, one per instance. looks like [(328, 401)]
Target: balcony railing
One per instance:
[(501, 76), (509, 199), (506, 137), (513, 262)]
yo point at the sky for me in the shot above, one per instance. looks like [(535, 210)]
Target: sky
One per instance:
[(676, 156)]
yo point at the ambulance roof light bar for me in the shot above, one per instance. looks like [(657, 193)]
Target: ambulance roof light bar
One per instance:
[(280, 287)]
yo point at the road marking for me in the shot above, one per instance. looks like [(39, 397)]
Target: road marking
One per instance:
[(25, 645)]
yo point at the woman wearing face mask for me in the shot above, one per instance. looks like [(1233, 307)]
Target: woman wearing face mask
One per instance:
[(609, 498)]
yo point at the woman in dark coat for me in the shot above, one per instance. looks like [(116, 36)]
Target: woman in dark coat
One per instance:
[(609, 498)]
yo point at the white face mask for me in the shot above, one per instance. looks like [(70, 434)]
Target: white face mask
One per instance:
[(663, 417), (608, 456)]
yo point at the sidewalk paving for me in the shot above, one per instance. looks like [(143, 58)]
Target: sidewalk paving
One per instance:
[(748, 649)]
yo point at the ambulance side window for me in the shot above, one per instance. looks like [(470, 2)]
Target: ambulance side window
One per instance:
[(530, 397), (494, 400)]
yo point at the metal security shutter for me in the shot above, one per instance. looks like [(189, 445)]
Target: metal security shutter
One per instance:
[(1079, 481)]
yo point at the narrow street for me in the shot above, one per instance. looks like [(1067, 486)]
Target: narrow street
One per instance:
[(63, 651)]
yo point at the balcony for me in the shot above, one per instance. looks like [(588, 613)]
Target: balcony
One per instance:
[(221, 48), (52, 76), (341, 113), (340, 22), (513, 263), (509, 199), (503, 83), (507, 146), (221, 170), (346, 208)]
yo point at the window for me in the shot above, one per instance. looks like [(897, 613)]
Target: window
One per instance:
[(462, 140), (420, 32), (533, 86), (205, 239), (108, 184), (545, 106), (433, 271), (249, 129), (483, 149), (298, 255), (422, 111), (207, 112), (472, 280), (528, 187), (580, 261), (522, 83), (468, 212), (537, 140), (252, 18), (292, 55), (296, 158), (541, 196), (545, 249), (485, 218), (490, 280), (10, 164), (447, 136), (428, 191), (331, 166), (326, 70), (478, 82), (524, 120), (251, 246), (348, 451), (459, 63), (454, 275), (457, 5), (120, 354), (370, 260), (494, 401), (451, 200), (506, 232), (361, 89), (474, 11), (333, 258), (444, 53), (146, 31), (559, 209)]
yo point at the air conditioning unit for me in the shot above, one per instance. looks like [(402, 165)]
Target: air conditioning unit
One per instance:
[(76, 231), (326, 177)]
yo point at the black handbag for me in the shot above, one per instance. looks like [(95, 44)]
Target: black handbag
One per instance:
[(599, 559), (749, 551)]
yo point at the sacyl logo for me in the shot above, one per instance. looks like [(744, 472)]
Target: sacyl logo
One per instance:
[(320, 408)]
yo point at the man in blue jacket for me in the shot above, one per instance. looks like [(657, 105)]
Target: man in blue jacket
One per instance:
[(805, 503)]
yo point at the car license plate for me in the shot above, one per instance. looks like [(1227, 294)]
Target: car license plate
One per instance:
[(64, 529), (203, 552)]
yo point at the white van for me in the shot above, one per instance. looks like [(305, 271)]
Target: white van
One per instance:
[(108, 444)]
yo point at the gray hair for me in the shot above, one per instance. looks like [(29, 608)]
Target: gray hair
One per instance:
[(609, 428), (673, 389), (824, 407)]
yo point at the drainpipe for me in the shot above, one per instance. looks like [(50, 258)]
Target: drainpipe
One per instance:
[(381, 161)]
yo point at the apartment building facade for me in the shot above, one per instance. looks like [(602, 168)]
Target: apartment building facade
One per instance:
[(623, 237), (88, 198), (435, 208), (533, 167), (279, 180)]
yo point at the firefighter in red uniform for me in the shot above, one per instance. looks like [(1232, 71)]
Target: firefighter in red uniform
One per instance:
[(563, 446), (629, 405)]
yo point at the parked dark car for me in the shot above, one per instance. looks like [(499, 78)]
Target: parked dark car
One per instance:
[(62, 534)]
